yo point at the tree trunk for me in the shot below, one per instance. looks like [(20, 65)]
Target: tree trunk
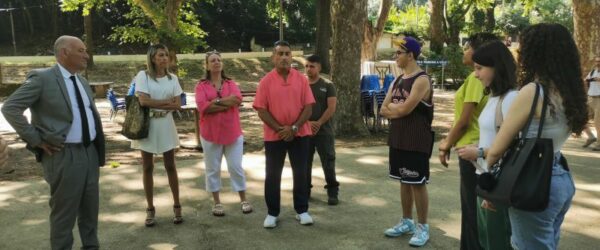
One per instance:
[(28, 19), (436, 26), (455, 22), (490, 20), (587, 31), (89, 38), (172, 11), (373, 33), (345, 64), (323, 34), (54, 19)]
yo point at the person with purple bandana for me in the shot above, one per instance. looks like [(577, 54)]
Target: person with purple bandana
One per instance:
[(409, 106)]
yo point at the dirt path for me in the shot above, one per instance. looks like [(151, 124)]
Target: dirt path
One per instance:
[(369, 202)]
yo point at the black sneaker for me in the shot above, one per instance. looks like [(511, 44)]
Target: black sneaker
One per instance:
[(333, 200)]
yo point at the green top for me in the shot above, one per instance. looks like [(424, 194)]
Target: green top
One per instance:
[(322, 90), (470, 91)]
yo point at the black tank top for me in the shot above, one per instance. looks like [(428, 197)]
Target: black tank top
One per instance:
[(413, 131)]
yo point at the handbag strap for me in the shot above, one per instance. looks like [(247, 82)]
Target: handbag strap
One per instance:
[(499, 117), (525, 129)]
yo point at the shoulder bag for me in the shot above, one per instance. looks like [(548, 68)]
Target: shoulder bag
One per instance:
[(522, 176), (137, 119)]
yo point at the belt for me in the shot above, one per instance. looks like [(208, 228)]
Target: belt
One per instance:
[(158, 114)]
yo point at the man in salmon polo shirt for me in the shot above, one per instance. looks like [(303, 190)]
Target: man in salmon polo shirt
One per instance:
[(284, 103)]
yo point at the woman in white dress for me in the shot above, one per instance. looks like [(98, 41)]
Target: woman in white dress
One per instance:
[(159, 90)]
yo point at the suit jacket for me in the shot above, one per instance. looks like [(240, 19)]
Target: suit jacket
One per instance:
[(45, 94)]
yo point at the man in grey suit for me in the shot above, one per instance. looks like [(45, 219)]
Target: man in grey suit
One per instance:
[(66, 136)]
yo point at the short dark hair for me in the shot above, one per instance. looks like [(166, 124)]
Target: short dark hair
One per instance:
[(282, 43), (478, 39), (314, 59), (496, 55)]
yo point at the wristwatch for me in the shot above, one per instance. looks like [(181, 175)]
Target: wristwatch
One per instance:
[(480, 153), (294, 129)]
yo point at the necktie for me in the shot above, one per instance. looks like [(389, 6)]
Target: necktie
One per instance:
[(85, 129)]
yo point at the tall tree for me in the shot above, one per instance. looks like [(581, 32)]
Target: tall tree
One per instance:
[(587, 31), (323, 33), (372, 32), (87, 6), (490, 19), (456, 10), (164, 15), (436, 28), (345, 63)]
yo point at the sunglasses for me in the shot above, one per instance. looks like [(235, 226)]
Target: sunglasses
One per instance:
[(282, 43), (214, 52)]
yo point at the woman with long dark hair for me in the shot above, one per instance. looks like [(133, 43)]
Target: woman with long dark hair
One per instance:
[(548, 56), (495, 67), (159, 90)]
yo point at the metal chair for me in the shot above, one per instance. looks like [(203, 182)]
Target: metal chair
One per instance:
[(116, 104)]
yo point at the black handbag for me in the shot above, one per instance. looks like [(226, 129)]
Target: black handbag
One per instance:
[(522, 176), (137, 120)]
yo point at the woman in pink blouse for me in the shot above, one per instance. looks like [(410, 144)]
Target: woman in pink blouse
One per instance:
[(218, 99)]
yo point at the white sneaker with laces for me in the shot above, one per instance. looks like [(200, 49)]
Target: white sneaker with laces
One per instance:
[(421, 236), (304, 219), (405, 226), (270, 221)]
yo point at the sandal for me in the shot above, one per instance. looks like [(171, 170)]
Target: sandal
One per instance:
[(150, 222), (218, 210), (177, 219), (246, 207)]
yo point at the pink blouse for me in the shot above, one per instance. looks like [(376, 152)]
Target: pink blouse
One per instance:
[(220, 127)]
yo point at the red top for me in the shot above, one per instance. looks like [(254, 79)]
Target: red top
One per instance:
[(220, 127), (284, 100)]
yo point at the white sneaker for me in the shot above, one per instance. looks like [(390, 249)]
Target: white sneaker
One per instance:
[(421, 236), (270, 222), (304, 219)]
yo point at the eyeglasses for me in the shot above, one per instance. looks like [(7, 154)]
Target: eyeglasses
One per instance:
[(398, 52), (282, 43), (309, 66)]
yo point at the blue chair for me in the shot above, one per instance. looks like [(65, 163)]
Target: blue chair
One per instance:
[(183, 99), (387, 81), (131, 90), (369, 83), (116, 104)]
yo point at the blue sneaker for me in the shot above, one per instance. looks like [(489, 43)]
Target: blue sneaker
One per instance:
[(421, 236), (405, 226)]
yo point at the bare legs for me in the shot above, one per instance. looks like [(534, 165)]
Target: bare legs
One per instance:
[(148, 179), (418, 194)]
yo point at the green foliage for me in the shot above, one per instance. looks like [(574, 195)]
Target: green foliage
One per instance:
[(142, 29), (512, 19), (86, 5), (456, 69), (299, 18), (515, 16), (553, 11), (401, 21)]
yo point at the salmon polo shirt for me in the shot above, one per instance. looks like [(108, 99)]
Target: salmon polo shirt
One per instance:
[(221, 127), (284, 100)]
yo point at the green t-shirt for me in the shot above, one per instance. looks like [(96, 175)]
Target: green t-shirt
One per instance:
[(470, 91), (321, 91)]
